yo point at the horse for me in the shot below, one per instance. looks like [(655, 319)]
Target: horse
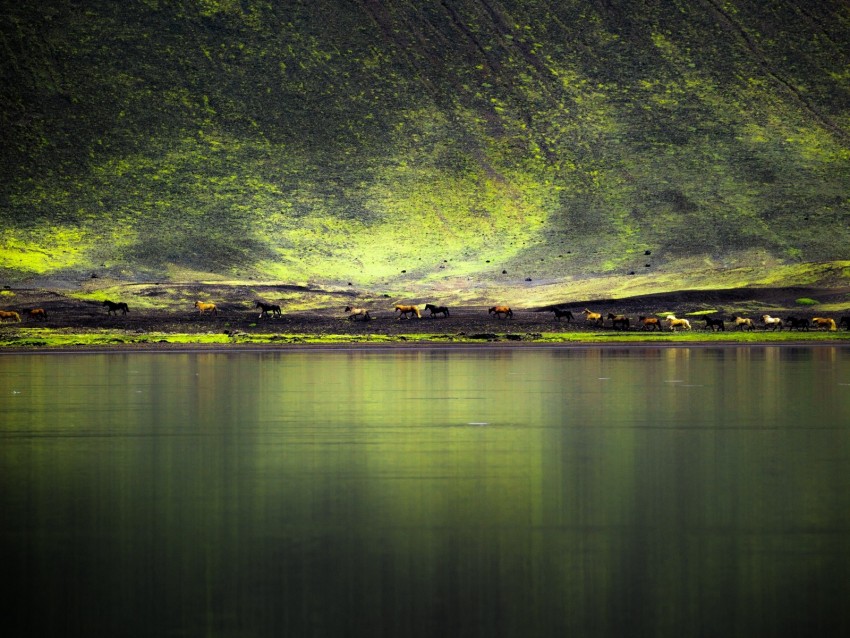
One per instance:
[(437, 310), (115, 306), (844, 321), (621, 321), (742, 323), (505, 311), (404, 311), (206, 308), (356, 314), (650, 323), (592, 316), (674, 323), (794, 322), (37, 313), (827, 323), (771, 322), (716, 325), (267, 308), (10, 314), (559, 312)]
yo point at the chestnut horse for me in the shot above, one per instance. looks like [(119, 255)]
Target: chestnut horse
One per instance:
[(404, 311), (827, 323), (505, 311), (10, 314), (37, 313), (206, 308), (650, 323), (592, 316)]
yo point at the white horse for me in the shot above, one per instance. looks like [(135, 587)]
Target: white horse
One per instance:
[(771, 322)]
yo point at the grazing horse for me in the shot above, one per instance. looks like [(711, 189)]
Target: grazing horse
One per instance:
[(10, 314), (827, 323), (716, 325), (619, 321), (404, 311), (560, 312), (744, 323), (674, 323), (206, 308), (114, 307), (650, 323), (771, 322), (37, 313), (356, 314), (844, 321), (437, 310), (266, 308), (795, 322), (505, 311), (592, 316)]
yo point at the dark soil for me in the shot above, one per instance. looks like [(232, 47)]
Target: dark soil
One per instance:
[(236, 314)]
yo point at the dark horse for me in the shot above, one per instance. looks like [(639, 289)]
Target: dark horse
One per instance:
[(619, 321), (268, 308), (844, 321), (114, 307), (437, 310), (711, 322), (560, 312), (796, 322)]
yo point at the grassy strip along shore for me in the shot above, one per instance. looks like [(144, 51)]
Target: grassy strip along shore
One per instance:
[(45, 338)]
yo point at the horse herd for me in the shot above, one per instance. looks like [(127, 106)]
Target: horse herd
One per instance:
[(593, 319), (715, 324)]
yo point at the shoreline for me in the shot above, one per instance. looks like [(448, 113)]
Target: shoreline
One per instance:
[(224, 348)]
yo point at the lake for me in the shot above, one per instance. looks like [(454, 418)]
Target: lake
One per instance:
[(564, 491)]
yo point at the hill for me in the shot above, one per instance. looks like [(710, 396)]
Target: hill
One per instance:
[(471, 148)]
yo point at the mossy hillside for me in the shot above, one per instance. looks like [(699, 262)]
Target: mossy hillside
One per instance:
[(330, 141)]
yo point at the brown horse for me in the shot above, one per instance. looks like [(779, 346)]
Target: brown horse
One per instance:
[(619, 321), (206, 308), (827, 323), (357, 314), (505, 311), (10, 314), (596, 317), (37, 313), (650, 323), (404, 311)]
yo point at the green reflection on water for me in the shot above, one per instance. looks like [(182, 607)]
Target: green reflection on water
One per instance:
[(453, 492)]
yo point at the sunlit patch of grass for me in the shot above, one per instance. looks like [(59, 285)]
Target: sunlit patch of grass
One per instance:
[(806, 301)]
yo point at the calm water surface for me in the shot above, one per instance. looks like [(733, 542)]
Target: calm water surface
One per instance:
[(481, 492)]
